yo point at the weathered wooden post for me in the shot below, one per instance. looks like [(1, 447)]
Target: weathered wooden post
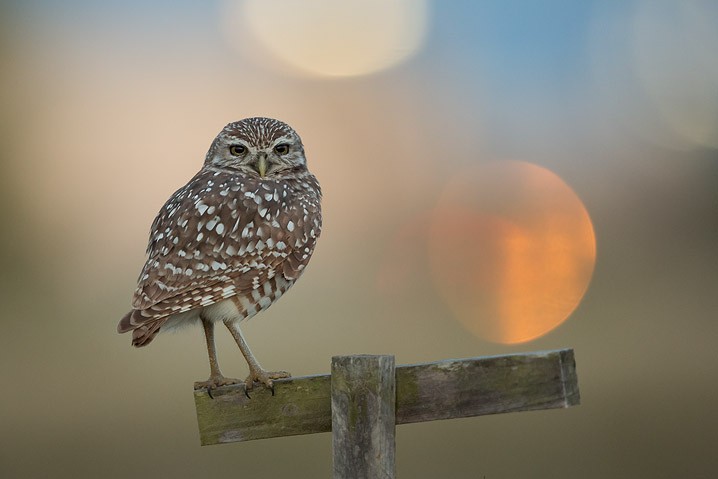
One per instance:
[(363, 416), (365, 396)]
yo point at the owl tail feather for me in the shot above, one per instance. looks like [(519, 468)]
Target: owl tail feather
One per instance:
[(143, 331), (125, 323), (144, 335)]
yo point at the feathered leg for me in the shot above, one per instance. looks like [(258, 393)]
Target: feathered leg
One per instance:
[(256, 373), (216, 378)]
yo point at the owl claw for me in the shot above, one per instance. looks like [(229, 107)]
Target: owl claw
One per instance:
[(213, 383), (263, 377)]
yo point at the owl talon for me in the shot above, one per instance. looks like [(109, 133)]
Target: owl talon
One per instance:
[(264, 377), (213, 383)]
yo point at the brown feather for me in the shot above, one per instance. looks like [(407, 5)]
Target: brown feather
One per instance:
[(143, 335)]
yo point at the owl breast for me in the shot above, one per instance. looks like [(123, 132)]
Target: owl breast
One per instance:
[(226, 236)]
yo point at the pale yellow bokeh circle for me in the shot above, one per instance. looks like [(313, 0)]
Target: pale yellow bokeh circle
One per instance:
[(329, 37), (655, 71), (676, 61)]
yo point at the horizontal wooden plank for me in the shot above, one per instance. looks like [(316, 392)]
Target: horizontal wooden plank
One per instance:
[(300, 405), (445, 389), (489, 385)]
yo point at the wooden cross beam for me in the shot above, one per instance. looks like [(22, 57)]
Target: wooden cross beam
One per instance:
[(366, 396)]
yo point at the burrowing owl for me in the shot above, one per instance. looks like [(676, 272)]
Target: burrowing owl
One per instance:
[(230, 242)]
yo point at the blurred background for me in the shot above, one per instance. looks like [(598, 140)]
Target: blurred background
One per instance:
[(499, 177)]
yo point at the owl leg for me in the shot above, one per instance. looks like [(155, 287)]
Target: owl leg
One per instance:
[(256, 373), (216, 378)]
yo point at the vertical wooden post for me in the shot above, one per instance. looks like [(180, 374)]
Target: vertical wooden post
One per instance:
[(363, 390)]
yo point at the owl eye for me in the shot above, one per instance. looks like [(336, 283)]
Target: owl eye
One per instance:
[(281, 149), (238, 150)]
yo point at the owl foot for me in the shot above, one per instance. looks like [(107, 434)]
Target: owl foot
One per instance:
[(214, 382), (263, 377)]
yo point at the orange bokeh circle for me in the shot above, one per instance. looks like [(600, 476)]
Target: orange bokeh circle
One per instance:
[(512, 250)]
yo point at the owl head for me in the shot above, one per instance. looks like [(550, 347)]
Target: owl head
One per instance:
[(259, 147)]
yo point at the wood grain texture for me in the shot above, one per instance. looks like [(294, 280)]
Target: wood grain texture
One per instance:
[(445, 389), (299, 406), (363, 398)]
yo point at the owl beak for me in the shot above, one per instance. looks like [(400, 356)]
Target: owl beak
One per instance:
[(262, 166)]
